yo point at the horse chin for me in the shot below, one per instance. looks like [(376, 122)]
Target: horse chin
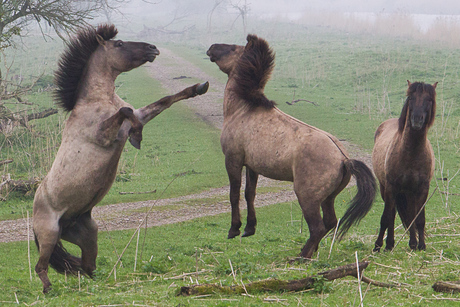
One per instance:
[(151, 58)]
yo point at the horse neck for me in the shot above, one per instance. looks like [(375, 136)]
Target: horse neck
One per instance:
[(232, 104), (413, 140), (98, 81)]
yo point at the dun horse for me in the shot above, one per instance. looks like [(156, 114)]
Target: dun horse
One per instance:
[(403, 161), (96, 131), (257, 135)]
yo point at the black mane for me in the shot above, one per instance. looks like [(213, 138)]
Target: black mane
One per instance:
[(73, 62), (253, 71)]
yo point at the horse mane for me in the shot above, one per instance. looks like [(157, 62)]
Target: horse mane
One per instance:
[(418, 87), (253, 71), (72, 63)]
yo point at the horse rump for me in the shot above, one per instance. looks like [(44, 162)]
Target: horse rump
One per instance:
[(364, 198)]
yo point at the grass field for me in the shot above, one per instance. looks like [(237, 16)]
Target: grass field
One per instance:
[(357, 80)]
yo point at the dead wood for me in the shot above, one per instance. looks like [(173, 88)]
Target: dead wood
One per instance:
[(6, 161), (41, 114), (447, 287), (23, 186), (297, 100), (275, 285), (147, 192)]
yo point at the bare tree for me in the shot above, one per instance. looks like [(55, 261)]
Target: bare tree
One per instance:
[(243, 9), (16, 17)]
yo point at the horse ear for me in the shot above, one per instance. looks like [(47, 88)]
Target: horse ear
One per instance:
[(100, 40), (434, 85), (408, 83)]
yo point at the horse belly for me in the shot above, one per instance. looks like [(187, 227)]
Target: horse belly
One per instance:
[(81, 177)]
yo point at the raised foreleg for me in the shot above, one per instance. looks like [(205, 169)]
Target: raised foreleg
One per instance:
[(250, 195), (147, 113), (109, 128)]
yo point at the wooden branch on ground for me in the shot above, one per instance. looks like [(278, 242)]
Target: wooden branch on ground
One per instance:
[(6, 161), (275, 285), (447, 287), (148, 192), (19, 185)]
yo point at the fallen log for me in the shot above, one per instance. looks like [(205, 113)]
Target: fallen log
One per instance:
[(447, 287), (6, 161), (275, 285)]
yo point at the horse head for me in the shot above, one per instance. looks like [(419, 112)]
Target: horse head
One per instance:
[(121, 55), (419, 110), (225, 56)]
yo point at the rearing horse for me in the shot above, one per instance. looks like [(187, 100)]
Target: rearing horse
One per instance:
[(259, 136), (403, 161), (95, 133)]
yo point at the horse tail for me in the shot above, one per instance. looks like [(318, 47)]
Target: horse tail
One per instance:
[(402, 208), (253, 71), (363, 200), (62, 261)]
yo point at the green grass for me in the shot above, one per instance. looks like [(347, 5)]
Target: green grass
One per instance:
[(201, 244)]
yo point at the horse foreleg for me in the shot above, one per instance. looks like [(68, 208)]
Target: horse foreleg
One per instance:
[(250, 195), (109, 128), (420, 223), (147, 113), (234, 176), (387, 222), (84, 234)]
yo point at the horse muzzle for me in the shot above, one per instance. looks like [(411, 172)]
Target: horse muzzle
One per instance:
[(152, 53)]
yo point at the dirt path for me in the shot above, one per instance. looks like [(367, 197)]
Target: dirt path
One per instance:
[(165, 211)]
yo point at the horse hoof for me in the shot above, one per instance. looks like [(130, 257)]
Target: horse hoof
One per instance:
[(376, 249), (46, 289), (248, 233), (135, 143), (202, 88), (232, 234)]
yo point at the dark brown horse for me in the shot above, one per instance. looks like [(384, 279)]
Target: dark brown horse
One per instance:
[(403, 161), (96, 131), (257, 135)]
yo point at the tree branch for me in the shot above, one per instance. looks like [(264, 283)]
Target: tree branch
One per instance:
[(275, 285)]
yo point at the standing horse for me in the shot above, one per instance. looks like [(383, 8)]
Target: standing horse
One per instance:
[(96, 131), (257, 135), (403, 161)]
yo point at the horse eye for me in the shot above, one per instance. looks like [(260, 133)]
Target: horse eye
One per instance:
[(119, 43)]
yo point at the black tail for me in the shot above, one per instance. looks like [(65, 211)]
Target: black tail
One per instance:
[(363, 200), (401, 207), (62, 261), (253, 72)]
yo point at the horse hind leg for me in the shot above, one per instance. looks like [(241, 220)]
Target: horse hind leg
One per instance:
[(46, 233), (312, 214), (84, 234), (234, 175), (250, 195)]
